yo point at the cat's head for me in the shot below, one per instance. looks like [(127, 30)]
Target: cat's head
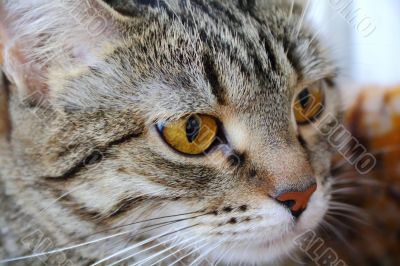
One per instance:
[(209, 109)]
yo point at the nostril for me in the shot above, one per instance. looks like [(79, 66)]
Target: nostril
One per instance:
[(289, 203), (296, 201), (297, 214)]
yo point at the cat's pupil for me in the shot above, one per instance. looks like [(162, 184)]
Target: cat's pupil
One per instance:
[(192, 128), (304, 98)]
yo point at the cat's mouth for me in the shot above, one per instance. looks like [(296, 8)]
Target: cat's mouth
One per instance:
[(266, 244)]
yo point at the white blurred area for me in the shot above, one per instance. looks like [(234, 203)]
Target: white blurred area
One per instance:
[(364, 36)]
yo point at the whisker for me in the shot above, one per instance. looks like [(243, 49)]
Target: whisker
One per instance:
[(290, 20), (221, 256), (291, 10), (342, 196), (352, 228), (172, 246), (154, 193), (356, 180), (348, 174), (188, 254), (344, 206), (339, 222), (206, 253), (340, 164), (66, 248), (201, 240), (320, 30), (348, 217), (140, 243), (346, 190), (59, 198), (232, 245), (337, 233), (344, 209), (146, 249), (321, 227), (303, 14), (246, 249), (57, 250), (177, 251), (149, 220)]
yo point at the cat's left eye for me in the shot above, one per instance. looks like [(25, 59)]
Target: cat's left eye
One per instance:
[(192, 134), (309, 104)]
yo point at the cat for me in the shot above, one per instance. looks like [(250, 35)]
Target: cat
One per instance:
[(162, 131)]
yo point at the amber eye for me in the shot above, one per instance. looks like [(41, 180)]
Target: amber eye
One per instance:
[(309, 105), (191, 135)]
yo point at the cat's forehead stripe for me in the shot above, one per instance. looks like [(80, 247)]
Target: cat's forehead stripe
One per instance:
[(213, 78)]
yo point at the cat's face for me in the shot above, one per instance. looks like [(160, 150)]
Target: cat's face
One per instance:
[(209, 110)]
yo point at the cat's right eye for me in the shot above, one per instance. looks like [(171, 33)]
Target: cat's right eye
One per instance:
[(191, 135)]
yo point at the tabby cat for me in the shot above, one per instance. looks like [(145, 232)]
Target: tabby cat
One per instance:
[(162, 132)]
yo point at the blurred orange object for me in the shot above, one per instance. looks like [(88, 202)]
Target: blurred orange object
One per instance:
[(372, 231), (375, 120)]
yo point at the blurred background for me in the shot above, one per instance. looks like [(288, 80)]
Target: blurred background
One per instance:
[(365, 38)]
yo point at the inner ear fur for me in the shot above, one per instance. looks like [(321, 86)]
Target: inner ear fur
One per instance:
[(41, 36)]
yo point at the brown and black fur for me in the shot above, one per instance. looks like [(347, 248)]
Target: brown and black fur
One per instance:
[(83, 155)]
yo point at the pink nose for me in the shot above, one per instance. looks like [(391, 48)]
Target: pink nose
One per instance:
[(296, 201)]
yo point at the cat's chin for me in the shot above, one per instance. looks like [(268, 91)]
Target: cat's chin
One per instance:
[(271, 252), (267, 252)]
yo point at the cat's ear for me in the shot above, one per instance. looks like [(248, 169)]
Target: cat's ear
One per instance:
[(38, 37)]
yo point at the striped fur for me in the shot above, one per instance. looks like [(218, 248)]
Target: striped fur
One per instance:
[(84, 155)]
